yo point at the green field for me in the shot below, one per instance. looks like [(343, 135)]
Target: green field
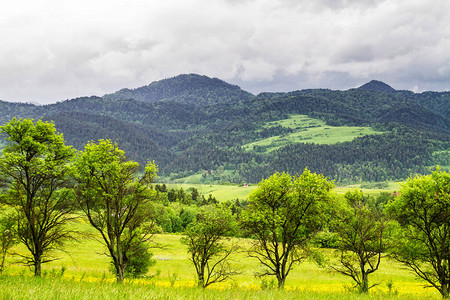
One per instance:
[(308, 130), (220, 192), (87, 276), (87, 272), (21, 287), (232, 192)]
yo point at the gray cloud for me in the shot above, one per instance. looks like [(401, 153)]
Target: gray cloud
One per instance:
[(54, 50)]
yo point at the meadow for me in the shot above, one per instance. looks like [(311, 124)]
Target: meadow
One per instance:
[(308, 130), (82, 273), (232, 192)]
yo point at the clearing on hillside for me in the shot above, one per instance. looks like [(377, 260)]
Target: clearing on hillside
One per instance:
[(307, 130)]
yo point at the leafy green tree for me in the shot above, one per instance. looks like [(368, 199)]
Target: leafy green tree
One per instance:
[(116, 202), (188, 216), (205, 240), (195, 195), (34, 168), (423, 243), (362, 239), (283, 213)]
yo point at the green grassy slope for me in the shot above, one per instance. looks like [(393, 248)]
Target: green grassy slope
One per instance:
[(220, 192), (308, 130)]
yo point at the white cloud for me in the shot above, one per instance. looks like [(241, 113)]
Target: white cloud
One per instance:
[(54, 50)]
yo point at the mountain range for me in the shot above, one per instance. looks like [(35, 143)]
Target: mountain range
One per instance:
[(193, 124)]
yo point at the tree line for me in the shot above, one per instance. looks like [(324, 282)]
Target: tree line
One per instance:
[(46, 184)]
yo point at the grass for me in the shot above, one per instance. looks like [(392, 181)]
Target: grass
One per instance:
[(392, 186), (54, 288), (308, 130), (231, 192), (86, 276), (220, 192)]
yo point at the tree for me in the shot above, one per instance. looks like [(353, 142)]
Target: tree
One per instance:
[(423, 243), (205, 240), (283, 213), (34, 168), (117, 204), (362, 242)]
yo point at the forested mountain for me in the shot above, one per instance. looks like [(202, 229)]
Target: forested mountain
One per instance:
[(192, 123), (191, 88), (375, 85)]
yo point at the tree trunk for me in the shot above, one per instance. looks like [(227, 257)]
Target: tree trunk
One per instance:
[(364, 286), (281, 281), (37, 266), (120, 274), (2, 265), (444, 291), (120, 270), (201, 280)]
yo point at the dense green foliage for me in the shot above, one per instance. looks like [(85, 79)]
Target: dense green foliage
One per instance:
[(361, 239), (205, 241), (190, 123), (116, 203), (34, 168), (423, 243), (282, 215)]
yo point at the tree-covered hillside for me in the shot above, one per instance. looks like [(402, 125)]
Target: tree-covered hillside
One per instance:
[(191, 89), (191, 123)]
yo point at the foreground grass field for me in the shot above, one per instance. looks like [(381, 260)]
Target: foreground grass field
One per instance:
[(20, 287), (86, 276), (82, 272)]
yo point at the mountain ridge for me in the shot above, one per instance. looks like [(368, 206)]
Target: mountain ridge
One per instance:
[(188, 88), (188, 129)]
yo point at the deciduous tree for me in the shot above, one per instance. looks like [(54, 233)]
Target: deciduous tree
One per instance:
[(117, 203), (423, 243), (283, 213), (206, 244), (362, 239), (34, 168)]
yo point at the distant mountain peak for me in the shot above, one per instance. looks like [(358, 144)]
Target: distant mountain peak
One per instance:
[(375, 85), (185, 88)]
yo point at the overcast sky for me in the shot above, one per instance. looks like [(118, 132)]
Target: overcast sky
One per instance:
[(52, 50)]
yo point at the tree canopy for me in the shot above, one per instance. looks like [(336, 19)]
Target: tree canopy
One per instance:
[(423, 243), (117, 204), (205, 241), (34, 166), (362, 241), (283, 213)]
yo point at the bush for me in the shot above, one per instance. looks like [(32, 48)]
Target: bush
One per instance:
[(325, 239), (139, 263)]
